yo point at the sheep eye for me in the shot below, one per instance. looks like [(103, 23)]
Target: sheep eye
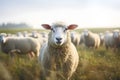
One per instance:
[(65, 30), (53, 30)]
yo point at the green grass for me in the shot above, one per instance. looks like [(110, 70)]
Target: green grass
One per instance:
[(93, 65), (13, 31)]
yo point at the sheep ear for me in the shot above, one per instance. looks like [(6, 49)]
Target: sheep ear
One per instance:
[(46, 26), (72, 26)]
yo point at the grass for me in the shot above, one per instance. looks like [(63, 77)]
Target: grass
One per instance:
[(94, 64), (99, 65), (98, 30)]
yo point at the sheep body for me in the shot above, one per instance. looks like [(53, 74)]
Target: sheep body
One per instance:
[(109, 41), (101, 39), (75, 38), (92, 39), (112, 39), (25, 45)]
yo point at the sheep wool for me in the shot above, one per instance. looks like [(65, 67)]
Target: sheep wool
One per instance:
[(91, 39), (24, 44)]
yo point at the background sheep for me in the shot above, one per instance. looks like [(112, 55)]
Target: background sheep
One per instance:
[(91, 39), (116, 36), (59, 55), (109, 40), (101, 35), (24, 44), (75, 38), (112, 39), (19, 34), (44, 36)]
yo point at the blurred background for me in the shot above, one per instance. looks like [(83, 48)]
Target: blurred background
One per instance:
[(85, 13)]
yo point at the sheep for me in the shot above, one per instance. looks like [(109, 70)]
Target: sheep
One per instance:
[(101, 35), (24, 44), (109, 41), (75, 38), (25, 34), (19, 34), (82, 38), (112, 39), (59, 54), (91, 39), (116, 33), (44, 36), (35, 34), (116, 36)]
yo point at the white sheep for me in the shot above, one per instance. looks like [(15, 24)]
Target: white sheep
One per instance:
[(101, 35), (35, 34), (75, 38), (19, 34), (116, 36), (24, 44), (112, 39), (109, 41), (59, 55), (91, 39), (82, 40), (25, 33), (44, 36)]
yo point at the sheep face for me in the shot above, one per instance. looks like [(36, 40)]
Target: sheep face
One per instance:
[(86, 33), (116, 34), (2, 39), (58, 34)]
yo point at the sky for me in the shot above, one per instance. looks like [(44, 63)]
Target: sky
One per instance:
[(85, 13)]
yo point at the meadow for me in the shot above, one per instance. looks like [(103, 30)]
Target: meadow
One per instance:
[(94, 64)]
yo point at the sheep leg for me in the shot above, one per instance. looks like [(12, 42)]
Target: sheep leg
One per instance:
[(31, 54)]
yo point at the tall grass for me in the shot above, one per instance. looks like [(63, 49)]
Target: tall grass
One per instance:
[(94, 64)]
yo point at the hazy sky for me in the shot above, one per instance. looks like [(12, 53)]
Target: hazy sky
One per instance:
[(85, 13)]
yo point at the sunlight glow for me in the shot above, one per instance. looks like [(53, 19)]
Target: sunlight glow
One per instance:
[(88, 16)]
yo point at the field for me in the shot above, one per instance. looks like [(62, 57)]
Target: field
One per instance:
[(94, 64)]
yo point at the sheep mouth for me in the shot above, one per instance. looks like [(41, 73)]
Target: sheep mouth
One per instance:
[(58, 42)]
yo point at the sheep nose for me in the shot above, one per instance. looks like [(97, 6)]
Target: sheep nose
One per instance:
[(58, 39)]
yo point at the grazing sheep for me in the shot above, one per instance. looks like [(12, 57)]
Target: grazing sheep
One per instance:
[(91, 39), (59, 55), (24, 44), (75, 38)]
